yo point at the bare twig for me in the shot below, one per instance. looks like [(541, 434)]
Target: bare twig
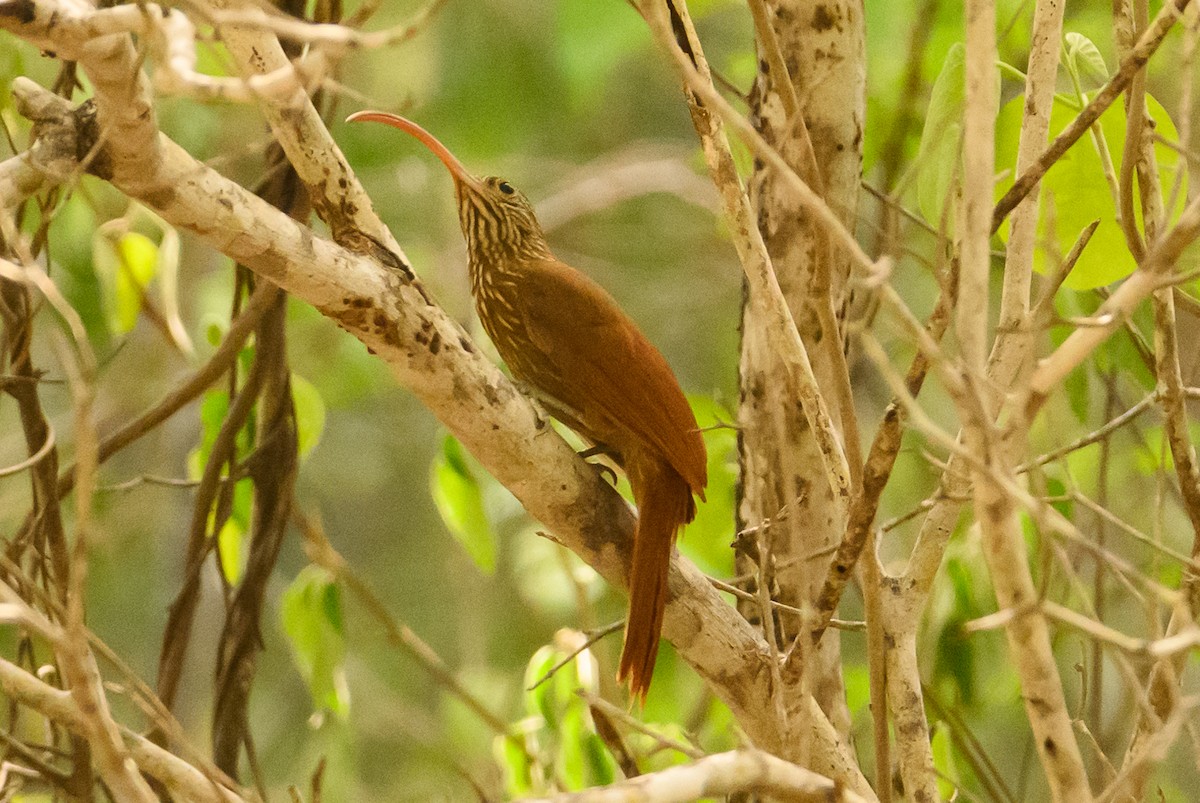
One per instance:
[(180, 778), (586, 644), (1130, 66), (187, 390), (322, 553), (1092, 437)]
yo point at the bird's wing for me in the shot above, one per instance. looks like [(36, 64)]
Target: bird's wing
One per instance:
[(603, 362)]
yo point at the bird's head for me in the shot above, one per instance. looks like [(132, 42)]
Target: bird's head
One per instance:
[(497, 220)]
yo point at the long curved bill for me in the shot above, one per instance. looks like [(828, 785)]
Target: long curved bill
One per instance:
[(457, 171)]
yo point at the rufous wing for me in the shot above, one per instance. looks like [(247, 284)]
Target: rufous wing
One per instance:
[(598, 361)]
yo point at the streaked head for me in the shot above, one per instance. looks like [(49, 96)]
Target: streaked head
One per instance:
[(497, 220)]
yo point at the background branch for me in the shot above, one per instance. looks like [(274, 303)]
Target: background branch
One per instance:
[(391, 313)]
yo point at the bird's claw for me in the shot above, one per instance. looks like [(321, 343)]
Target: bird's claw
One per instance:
[(601, 468), (605, 470)]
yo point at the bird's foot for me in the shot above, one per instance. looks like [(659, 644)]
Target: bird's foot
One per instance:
[(604, 469), (606, 472)]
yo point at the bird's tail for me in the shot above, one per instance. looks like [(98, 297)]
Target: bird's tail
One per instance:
[(664, 505)]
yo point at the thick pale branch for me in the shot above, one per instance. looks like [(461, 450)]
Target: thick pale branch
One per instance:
[(336, 193), (913, 752), (752, 251), (431, 355), (736, 773), (979, 134), (1029, 640), (391, 313)]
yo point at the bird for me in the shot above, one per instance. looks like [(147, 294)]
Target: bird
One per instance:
[(565, 337)]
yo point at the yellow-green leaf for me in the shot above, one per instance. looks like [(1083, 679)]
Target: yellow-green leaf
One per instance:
[(125, 266), (1083, 59), (231, 545), (310, 414), (943, 761), (459, 500), (311, 614), (938, 157), (1075, 191), (706, 539)]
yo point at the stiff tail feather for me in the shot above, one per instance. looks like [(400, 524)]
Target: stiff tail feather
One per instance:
[(664, 505)]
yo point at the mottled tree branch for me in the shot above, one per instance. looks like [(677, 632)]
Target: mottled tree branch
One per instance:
[(391, 313)]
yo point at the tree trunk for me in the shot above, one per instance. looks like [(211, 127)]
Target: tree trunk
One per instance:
[(821, 48)]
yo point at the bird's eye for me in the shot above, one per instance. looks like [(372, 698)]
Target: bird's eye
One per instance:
[(505, 188)]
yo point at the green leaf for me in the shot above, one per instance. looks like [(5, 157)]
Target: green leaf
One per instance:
[(458, 498), (942, 749), (231, 540), (125, 265), (311, 615), (583, 760), (231, 545), (857, 680), (573, 733), (600, 765), (1084, 61), (516, 766), (706, 539), (939, 154), (1078, 385), (310, 414), (563, 720), (594, 39), (1075, 191), (214, 406), (539, 700)]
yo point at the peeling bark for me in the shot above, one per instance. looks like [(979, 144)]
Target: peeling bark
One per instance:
[(822, 44)]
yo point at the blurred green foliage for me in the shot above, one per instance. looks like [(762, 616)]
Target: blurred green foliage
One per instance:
[(540, 93), (556, 744), (459, 499), (311, 616), (1077, 192)]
